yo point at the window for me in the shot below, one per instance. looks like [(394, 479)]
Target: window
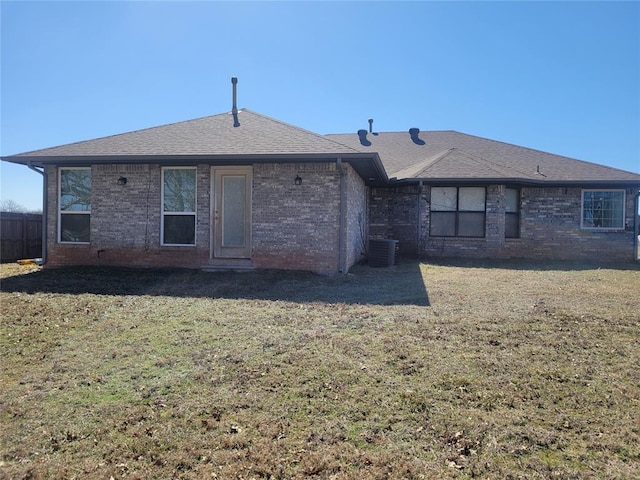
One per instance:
[(512, 213), (74, 206), (179, 206), (458, 211), (603, 209)]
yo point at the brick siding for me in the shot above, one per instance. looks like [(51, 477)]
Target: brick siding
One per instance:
[(357, 219), (394, 215), (549, 226), (293, 226), (125, 221), (297, 226)]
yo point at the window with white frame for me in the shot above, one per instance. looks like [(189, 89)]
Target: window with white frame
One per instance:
[(603, 209), (74, 205), (178, 206), (512, 213), (458, 211)]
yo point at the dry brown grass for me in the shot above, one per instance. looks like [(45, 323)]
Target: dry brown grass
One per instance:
[(514, 370)]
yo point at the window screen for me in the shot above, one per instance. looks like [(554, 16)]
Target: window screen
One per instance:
[(458, 211), (179, 206), (74, 224), (512, 213)]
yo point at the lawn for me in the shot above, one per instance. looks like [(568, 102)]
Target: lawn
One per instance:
[(455, 370)]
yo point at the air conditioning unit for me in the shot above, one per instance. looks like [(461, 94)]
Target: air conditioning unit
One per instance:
[(382, 252)]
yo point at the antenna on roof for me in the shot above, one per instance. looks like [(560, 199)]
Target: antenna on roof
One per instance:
[(234, 108)]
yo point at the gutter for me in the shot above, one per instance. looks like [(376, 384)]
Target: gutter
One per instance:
[(342, 219), (361, 162), (396, 182), (45, 181)]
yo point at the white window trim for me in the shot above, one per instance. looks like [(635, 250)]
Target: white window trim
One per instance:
[(163, 213), (603, 229), (70, 212)]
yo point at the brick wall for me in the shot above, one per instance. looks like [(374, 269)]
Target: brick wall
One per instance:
[(296, 226), (125, 221), (553, 214), (357, 219), (394, 215), (549, 226), (293, 226)]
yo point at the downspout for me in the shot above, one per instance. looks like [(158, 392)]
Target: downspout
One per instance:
[(636, 233), (45, 222), (419, 222), (342, 220)]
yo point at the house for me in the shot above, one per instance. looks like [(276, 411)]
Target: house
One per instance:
[(242, 190), (457, 195)]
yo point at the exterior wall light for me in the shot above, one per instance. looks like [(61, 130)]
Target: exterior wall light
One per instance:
[(122, 181), (298, 180)]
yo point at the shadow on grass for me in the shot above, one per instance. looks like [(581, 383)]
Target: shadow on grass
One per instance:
[(401, 284)]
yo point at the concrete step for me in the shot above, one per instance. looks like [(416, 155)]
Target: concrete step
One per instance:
[(229, 265)]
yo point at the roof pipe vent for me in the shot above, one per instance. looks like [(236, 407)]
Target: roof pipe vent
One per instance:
[(371, 127), (234, 108), (414, 133), (363, 138)]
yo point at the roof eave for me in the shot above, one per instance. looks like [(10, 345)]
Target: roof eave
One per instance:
[(373, 173)]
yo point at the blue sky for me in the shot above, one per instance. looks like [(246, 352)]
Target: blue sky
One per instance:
[(562, 77)]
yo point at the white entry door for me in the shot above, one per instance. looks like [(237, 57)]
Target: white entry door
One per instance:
[(231, 207)]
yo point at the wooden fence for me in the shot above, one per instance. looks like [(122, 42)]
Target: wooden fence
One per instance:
[(20, 236)]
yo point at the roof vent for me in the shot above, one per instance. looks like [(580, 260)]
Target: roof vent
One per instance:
[(234, 108), (414, 132), (363, 138), (371, 128), (538, 172)]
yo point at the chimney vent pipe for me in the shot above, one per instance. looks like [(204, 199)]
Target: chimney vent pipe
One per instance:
[(234, 107)]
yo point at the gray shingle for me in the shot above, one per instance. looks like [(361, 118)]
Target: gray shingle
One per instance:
[(214, 135), (436, 155), (453, 155)]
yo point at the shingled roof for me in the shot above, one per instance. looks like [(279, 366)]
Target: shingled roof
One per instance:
[(213, 136), (446, 156), (433, 156)]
